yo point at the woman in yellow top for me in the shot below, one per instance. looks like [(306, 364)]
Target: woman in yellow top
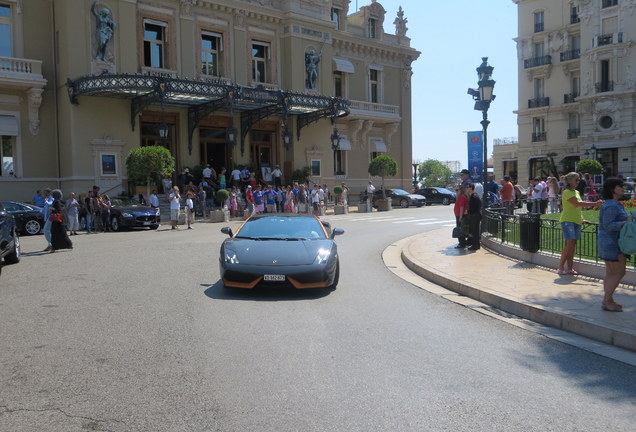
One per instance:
[(571, 221)]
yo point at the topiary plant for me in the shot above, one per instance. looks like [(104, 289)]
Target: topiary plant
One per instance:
[(221, 196), (337, 190), (383, 166)]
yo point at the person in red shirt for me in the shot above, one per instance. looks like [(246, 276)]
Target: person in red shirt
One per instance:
[(249, 197), (460, 209), (508, 195)]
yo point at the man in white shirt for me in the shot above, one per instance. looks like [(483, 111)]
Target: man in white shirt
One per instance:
[(278, 176), (207, 172), (315, 200), (236, 177), (537, 189), (175, 206)]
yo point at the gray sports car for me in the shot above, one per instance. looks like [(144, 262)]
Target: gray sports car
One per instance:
[(280, 250)]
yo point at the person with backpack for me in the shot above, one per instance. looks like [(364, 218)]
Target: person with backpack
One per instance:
[(611, 220)]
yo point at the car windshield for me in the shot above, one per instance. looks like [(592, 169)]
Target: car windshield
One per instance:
[(282, 228), (124, 202), (400, 192)]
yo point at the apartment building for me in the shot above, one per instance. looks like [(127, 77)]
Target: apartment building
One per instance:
[(577, 88), (226, 82)]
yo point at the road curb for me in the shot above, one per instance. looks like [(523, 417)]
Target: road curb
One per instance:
[(582, 326)]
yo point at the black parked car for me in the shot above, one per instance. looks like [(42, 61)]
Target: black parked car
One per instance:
[(437, 195), (9, 240), (127, 213), (28, 217), (400, 197)]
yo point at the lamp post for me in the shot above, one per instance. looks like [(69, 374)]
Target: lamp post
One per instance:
[(483, 95), (335, 145), (415, 166)]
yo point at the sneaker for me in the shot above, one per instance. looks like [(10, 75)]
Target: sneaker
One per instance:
[(573, 272), (48, 248), (189, 227), (562, 272)]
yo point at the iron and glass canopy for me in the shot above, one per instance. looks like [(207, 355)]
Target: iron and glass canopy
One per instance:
[(204, 97)]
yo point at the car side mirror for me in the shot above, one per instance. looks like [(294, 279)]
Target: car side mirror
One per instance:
[(227, 230), (337, 231)]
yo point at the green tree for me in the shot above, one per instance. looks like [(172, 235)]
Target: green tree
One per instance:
[(589, 166), (434, 173), (383, 166), (145, 164)]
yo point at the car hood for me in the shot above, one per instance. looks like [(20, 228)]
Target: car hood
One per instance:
[(135, 209), (277, 252), (414, 196)]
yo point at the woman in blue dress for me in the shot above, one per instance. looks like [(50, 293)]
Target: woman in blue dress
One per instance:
[(611, 219)]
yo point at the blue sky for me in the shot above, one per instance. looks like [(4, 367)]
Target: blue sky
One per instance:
[(453, 36)]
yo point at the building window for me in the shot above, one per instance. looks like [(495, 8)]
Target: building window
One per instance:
[(372, 25), (538, 129), (606, 84), (5, 31), (260, 61), (574, 15), (574, 126), (609, 3), (575, 84), (538, 22), (338, 84), (374, 85), (606, 122), (109, 164), (211, 48), (315, 168), (538, 50), (539, 84), (7, 156), (335, 17), (155, 43)]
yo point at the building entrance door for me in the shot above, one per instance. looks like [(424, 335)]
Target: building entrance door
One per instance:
[(213, 147), (261, 153)]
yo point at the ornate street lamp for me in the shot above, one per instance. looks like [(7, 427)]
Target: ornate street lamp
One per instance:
[(287, 137), (483, 95), (164, 130), (335, 146), (415, 166)]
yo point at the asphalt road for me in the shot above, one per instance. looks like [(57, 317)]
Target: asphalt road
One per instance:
[(133, 332)]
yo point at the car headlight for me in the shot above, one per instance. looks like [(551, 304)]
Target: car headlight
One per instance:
[(127, 215), (157, 211), (230, 256), (323, 256)]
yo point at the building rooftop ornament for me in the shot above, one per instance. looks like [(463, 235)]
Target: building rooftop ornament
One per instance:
[(400, 24)]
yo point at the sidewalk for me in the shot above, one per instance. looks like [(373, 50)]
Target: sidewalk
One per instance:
[(570, 303)]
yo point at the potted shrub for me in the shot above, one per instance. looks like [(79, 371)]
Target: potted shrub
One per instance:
[(383, 166), (222, 214), (340, 207), (145, 164)]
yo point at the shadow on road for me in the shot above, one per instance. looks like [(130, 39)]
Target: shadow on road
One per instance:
[(219, 292)]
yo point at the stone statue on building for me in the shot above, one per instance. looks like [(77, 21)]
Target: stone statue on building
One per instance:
[(400, 24), (311, 68), (105, 28)]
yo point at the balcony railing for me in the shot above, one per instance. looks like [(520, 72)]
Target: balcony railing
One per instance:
[(571, 55), (609, 3), (539, 136), (606, 86), (570, 97), (573, 133), (538, 27), (538, 102), (391, 110), (609, 39), (20, 66), (537, 61)]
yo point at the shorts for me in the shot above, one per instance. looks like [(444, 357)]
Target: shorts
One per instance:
[(571, 230), (315, 205), (174, 214)]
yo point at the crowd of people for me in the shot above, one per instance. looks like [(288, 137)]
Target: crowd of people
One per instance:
[(567, 195)]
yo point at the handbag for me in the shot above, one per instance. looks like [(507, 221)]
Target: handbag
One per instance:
[(457, 232), (55, 217), (627, 236)]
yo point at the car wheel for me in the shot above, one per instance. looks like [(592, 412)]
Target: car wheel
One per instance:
[(446, 201), (14, 256), (32, 227), (404, 203), (115, 225)]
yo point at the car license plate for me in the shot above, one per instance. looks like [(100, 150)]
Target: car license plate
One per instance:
[(147, 223), (274, 278)]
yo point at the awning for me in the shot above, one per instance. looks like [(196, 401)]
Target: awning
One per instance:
[(378, 146), (9, 125), (612, 144), (345, 144), (343, 65)]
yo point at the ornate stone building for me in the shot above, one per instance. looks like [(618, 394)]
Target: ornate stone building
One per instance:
[(577, 88), (258, 83)]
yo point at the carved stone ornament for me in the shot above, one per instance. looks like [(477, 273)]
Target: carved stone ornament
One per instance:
[(34, 96), (355, 126), (400, 24), (389, 131), (186, 6)]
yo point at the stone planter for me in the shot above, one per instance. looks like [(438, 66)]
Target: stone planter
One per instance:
[(364, 207), (383, 204), (217, 216), (341, 209)]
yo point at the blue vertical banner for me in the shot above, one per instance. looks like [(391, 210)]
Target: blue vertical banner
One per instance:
[(475, 154)]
